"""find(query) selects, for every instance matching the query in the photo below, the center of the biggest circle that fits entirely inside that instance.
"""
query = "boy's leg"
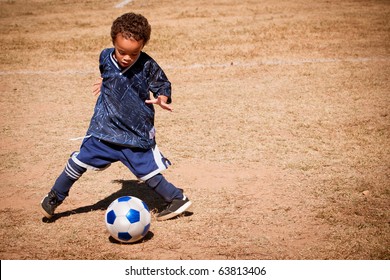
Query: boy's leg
(165, 189)
(62, 185)
(147, 165)
(64, 182)
(178, 202)
(93, 155)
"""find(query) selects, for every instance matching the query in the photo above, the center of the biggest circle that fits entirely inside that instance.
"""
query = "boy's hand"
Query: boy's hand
(96, 86)
(162, 101)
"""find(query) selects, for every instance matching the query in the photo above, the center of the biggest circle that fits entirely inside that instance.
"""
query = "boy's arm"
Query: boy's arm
(159, 85)
(103, 58)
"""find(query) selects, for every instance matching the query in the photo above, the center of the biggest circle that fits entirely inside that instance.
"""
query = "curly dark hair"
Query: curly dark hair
(131, 25)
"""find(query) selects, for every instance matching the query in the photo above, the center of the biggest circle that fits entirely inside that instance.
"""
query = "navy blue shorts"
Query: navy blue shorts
(96, 154)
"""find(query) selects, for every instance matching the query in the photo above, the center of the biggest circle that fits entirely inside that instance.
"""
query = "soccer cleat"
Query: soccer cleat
(49, 204)
(175, 208)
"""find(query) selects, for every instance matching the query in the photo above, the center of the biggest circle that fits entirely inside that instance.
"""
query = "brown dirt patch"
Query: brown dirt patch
(281, 122)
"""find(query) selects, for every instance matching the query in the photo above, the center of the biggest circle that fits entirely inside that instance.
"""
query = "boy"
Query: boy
(122, 126)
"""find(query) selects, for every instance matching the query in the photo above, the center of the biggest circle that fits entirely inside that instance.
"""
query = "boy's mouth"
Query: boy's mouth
(125, 64)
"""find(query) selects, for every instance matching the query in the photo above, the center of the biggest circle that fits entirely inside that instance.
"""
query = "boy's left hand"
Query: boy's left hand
(162, 101)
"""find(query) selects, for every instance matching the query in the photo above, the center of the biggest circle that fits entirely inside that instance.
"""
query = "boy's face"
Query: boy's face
(127, 50)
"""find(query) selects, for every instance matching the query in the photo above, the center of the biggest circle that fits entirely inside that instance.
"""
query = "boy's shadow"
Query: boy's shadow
(129, 188)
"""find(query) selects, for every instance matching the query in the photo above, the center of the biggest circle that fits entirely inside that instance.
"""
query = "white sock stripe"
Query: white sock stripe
(71, 169)
(71, 175)
(71, 172)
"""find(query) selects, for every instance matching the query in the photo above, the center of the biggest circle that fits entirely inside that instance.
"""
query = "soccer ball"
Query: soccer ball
(128, 219)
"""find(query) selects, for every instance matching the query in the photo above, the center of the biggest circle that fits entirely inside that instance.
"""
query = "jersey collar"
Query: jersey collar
(115, 62)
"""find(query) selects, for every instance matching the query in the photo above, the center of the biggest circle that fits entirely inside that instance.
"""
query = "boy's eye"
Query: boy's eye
(131, 55)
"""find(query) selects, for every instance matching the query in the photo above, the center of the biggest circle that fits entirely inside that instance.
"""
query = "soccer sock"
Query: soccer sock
(165, 189)
(64, 182)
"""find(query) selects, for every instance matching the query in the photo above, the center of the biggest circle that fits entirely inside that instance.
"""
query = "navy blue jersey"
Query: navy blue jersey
(121, 115)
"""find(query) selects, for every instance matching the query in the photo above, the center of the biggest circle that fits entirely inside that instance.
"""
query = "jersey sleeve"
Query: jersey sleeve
(103, 59)
(158, 82)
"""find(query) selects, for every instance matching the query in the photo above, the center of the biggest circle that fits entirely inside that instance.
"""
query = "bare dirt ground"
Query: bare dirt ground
(280, 133)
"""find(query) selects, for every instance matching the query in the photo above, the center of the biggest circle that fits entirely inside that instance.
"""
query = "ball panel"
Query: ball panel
(136, 230)
(145, 217)
(146, 230)
(145, 206)
(121, 208)
(124, 198)
(110, 217)
(124, 236)
(121, 224)
(133, 216)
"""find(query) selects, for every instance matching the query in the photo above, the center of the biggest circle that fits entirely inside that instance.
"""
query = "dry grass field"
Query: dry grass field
(280, 131)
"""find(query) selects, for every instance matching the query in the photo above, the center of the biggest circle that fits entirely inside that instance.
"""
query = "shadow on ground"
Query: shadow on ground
(129, 188)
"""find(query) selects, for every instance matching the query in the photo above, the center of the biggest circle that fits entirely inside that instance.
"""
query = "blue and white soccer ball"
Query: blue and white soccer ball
(128, 219)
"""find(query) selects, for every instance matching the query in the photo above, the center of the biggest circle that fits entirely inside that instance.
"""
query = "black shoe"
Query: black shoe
(49, 203)
(175, 208)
